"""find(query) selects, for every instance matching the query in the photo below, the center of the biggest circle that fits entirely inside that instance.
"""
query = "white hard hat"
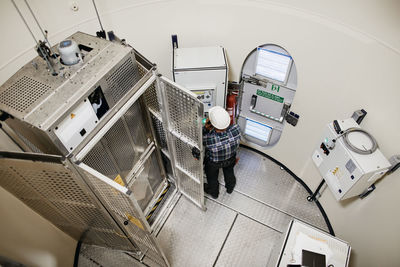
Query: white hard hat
(219, 117)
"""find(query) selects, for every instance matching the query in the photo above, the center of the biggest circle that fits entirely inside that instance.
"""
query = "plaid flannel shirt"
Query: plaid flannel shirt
(221, 146)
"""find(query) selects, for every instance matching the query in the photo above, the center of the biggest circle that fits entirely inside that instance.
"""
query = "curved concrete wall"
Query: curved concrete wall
(347, 55)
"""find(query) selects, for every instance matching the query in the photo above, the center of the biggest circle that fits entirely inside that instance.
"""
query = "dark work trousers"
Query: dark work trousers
(212, 170)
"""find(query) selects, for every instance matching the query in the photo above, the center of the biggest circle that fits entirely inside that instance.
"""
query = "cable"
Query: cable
(37, 22)
(352, 147)
(34, 38)
(26, 24)
(298, 179)
(77, 252)
(98, 17)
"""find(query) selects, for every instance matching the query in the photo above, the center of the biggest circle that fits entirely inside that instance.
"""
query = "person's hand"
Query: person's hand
(196, 153)
(208, 125)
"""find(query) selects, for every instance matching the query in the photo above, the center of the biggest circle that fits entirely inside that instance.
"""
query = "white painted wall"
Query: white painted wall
(347, 55)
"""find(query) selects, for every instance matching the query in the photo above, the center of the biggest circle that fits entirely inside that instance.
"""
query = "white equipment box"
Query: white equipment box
(204, 71)
(301, 237)
(346, 172)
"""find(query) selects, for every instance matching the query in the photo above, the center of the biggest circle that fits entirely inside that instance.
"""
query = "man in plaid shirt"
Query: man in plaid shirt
(221, 141)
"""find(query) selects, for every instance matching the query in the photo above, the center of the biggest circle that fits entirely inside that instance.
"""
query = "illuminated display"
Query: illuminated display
(273, 65)
(257, 130)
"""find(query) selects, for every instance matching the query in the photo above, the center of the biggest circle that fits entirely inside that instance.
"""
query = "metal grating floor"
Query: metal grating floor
(244, 228)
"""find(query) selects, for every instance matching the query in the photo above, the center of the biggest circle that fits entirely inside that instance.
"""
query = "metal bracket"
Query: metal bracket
(292, 118)
(174, 38)
(316, 194)
(367, 191)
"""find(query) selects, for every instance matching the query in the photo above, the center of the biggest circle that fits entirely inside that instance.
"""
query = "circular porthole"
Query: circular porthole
(269, 79)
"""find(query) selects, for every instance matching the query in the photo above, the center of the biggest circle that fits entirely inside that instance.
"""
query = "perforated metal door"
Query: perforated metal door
(182, 114)
(124, 208)
(56, 192)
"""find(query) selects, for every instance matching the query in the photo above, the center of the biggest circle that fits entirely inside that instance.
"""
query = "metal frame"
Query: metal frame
(121, 111)
(98, 186)
(167, 209)
(65, 93)
(84, 169)
(124, 193)
(63, 196)
(173, 135)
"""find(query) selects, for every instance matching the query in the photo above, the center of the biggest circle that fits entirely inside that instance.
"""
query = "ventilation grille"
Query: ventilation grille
(160, 133)
(151, 100)
(28, 143)
(123, 78)
(58, 195)
(23, 93)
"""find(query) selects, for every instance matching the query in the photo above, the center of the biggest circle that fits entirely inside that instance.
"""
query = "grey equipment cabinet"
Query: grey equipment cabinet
(102, 124)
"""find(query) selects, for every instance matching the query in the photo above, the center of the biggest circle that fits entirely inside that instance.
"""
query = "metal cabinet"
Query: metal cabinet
(98, 176)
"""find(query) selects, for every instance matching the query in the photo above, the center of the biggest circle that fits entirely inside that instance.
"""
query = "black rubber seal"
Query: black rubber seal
(77, 252)
(298, 179)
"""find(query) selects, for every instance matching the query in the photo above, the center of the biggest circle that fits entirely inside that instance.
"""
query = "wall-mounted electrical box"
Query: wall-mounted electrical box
(204, 71)
(347, 172)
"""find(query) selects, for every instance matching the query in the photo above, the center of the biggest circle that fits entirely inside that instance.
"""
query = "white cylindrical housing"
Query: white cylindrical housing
(69, 52)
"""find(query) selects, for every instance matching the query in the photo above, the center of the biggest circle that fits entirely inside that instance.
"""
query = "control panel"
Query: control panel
(205, 96)
(78, 123)
(347, 172)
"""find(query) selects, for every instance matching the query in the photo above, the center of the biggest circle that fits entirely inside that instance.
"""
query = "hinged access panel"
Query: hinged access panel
(182, 113)
(54, 190)
(124, 208)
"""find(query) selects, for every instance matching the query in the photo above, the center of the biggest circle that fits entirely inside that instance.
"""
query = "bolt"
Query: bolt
(74, 6)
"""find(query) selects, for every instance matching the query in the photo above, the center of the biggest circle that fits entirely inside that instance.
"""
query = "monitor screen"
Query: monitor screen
(257, 130)
(272, 64)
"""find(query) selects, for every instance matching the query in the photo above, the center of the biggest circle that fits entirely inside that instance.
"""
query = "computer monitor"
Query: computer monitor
(312, 259)
(257, 130)
(273, 65)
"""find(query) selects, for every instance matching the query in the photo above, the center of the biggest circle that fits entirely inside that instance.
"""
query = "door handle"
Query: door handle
(253, 101)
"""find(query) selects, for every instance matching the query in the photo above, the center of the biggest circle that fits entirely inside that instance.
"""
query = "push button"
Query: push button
(83, 132)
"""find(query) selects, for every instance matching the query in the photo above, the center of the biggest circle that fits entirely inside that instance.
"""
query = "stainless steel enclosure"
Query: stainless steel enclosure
(107, 172)
(46, 109)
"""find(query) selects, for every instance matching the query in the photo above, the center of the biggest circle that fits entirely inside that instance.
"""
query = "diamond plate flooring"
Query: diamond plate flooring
(245, 228)
(264, 181)
(249, 243)
(192, 237)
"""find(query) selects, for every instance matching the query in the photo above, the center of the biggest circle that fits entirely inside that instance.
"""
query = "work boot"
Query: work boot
(207, 190)
(230, 190)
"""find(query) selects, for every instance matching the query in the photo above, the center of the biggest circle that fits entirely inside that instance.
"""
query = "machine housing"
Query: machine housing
(97, 129)
(54, 114)
(346, 172)
(204, 71)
